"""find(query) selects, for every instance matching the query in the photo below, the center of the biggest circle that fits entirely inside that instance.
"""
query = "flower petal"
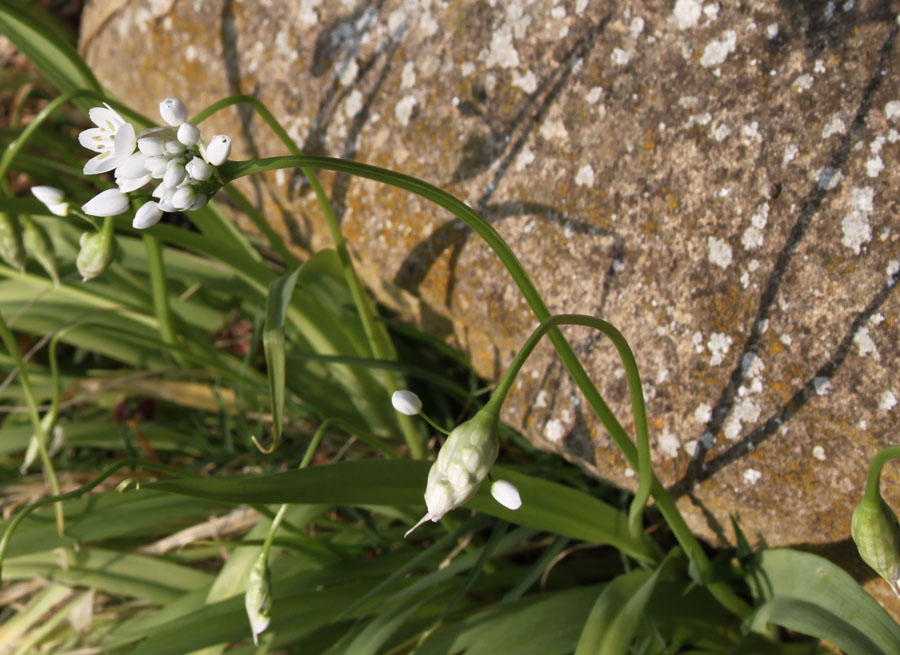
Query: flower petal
(126, 141)
(102, 163)
(94, 139)
(105, 118)
(106, 203)
(128, 184)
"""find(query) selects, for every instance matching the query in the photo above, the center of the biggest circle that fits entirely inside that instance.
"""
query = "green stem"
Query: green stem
(160, 290)
(10, 342)
(873, 481)
(642, 437)
(376, 332)
(75, 493)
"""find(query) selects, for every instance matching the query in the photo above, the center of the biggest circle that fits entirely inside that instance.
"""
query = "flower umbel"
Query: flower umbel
(257, 598)
(875, 530)
(461, 465)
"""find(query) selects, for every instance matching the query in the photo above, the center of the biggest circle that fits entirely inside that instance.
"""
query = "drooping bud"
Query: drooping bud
(174, 174)
(147, 216)
(11, 248)
(39, 245)
(198, 169)
(406, 402)
(106, 203)
(257, 598)
(218, 150)
(173, 111)
(97, 251)
(461, 465)
(875, 530)
(506, 494)
(53, 199)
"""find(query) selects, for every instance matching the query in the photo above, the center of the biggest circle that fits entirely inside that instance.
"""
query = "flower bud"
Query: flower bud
(39, 245)
(257, 597)
(152, 146)
(156, 165)
(200, 201)
(406, 402)
(53, 198)
(506, 494)
(11, 249)
(183, 198)
(174, 174)
(188, 134)
(106, 203)
(462, 463)
(147, 216)
(198, 169)
(173, 111)
(174, 148)
(218, 150)
(875, 530)
(97, 252)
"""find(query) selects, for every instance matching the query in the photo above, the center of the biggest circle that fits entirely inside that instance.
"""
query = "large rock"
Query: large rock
(712, 178)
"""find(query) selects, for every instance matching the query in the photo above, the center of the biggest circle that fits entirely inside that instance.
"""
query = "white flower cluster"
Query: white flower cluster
(175, 155)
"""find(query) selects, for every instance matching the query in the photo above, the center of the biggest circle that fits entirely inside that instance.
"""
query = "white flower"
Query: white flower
(406, 402)
(219, 149)
(183, 198)
(198, 169)
(188, 134)
(132, 173)
(106, 203)
(53, 198)
(506, 494)
(173, 111)
(147, 216)
(174, 173)
(113, 138)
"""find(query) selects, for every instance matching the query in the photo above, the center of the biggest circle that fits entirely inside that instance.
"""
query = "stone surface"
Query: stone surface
(712, 178)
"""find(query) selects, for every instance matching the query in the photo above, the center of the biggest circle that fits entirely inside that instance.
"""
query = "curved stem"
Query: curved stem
(873, 481)
(160, 290)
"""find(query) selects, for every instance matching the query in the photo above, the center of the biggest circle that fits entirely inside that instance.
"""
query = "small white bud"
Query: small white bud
(174, 174)
(53, 198)
(183, 198)
(506, 494)
(174, 148)
(151, 146)
(106, 203)
(200, 201)
(198, 169)
(147, 216)
(157, 166)
(218, 150)
(406, 402)
(188, 134)
(173, 111)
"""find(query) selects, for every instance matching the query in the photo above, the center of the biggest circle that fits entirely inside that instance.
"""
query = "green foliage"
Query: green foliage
(146, 386)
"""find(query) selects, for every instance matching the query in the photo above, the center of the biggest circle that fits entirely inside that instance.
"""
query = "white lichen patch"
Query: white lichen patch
(686, 13)
(719, 252)
(403, 109)
(697, 340)
(669, 443)
(541, 400)
(525, 157)
(752, 476)
(888, 401)
(834, 126)
(621, 57)
(865, 345)
(751, 131)
(503, 52)
(892, 110)
(718, 345)
(636, 26)
(585, 176)
(526, 82)
(555, 430)
(353, 104)
(721, 132)
(703, 413)
(772, 31)
(308, 14)
(802, 83)
(554, 129)
(822, 385)
(593, 96)
(874, 167)
(746, 410)
(790, 152)
(855, 226)
(717, 50)
(408, 75)
(819, 453)
(828, 178)
(753, 235)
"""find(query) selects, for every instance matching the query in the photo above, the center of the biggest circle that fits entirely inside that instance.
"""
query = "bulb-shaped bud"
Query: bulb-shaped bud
(198, 169)
(11, 249)
(506, 494)
(173, 111)
(875, 530)
(41, 248)
(97, 252)
(147, 216)
(462, 463)
(218, 150)
(406, 402)
(188, 134)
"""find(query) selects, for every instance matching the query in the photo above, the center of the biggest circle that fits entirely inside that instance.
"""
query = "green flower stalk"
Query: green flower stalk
(11, 249)
(41, 248)
(874, 525)
(97, 251)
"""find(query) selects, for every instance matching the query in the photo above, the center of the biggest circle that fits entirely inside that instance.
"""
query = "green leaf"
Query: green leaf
(811, 595)
(546, 505)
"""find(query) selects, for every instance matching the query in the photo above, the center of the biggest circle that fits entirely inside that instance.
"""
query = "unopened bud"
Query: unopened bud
(97, 251)
(257, 597)
(11, 248)
(875, 530)
(406, 402)
(173, 111)
(39, 245)
(218, 150)
(506, 494)
(53, 199)
(188, 134)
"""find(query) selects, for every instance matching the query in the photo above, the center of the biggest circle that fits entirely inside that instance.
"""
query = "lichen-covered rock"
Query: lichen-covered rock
(713, 178)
